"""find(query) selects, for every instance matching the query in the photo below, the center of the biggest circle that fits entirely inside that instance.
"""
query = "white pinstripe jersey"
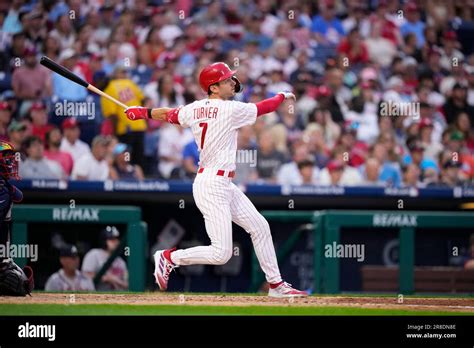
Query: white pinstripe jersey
(214, 124)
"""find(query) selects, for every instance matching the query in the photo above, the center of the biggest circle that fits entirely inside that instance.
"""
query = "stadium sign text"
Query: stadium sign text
(76, 214)
(397, 220)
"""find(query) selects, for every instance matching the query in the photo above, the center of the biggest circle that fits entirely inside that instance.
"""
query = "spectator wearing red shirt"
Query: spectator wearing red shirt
(354, 48)
(39, 119)
(53, 140)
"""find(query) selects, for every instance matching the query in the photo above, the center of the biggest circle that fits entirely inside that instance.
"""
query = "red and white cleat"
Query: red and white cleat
(286, 290)
(163, 268)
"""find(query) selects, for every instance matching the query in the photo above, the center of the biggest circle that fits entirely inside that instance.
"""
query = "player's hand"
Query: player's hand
(288, 95)
(137, 113)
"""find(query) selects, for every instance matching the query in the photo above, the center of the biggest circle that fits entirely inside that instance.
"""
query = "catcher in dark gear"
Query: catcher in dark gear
(13, 280)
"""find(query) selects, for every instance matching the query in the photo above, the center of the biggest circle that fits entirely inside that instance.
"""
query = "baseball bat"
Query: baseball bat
(53, 66)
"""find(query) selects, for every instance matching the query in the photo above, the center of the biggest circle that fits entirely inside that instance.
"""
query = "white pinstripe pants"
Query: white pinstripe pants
(221, 202)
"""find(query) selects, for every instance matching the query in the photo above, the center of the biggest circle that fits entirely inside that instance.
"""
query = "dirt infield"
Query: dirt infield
(412, 304)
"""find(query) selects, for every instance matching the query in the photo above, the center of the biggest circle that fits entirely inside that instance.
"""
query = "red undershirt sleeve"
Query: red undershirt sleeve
(172, 116)
(269, 105)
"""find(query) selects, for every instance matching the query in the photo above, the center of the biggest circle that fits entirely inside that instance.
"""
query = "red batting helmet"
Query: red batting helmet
(215, 73)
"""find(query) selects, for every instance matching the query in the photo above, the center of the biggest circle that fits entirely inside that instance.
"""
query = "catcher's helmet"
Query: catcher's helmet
(8, 163)
(215, 73)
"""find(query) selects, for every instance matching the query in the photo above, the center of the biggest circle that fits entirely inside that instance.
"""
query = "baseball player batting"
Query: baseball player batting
(214, 122)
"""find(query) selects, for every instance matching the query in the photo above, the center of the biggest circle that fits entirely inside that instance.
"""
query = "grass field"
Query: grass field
(44, 304)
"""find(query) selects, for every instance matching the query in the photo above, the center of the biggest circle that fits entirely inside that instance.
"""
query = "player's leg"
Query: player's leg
(212, 196)
(212, 199)
(247, 216)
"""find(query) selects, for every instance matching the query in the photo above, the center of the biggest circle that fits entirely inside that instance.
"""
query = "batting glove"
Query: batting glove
(138, 113)
(288, 95)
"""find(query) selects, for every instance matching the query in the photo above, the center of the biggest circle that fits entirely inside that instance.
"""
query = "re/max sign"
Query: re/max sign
(398, 220)
(76, 214)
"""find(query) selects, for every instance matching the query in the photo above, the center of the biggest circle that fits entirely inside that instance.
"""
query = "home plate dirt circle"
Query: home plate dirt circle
(155, 298)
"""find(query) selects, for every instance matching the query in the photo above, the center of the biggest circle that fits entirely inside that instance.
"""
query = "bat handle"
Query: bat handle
(105, 95)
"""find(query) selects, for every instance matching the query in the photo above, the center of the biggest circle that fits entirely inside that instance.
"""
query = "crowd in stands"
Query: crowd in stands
(384, 88)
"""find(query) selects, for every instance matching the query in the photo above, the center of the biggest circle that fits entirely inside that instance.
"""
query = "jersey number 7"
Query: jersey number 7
(203, 134)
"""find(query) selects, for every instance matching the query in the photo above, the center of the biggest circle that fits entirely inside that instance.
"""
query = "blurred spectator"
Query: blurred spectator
(451, 56)
(277, 80)
(327, 28)
(190, 159)
(53, 142)
(364, 118)
(16, 134)
(350, 176)
(353, 48)
(93, 165)
(52, 47)
(5, 117)
(36, 166)
(129, 132)
(289, 173)
(172, 141)
(153, 46)
(357, 150)
(269, 160)
(411, 175)
(31, 80)
(9, 97)
(292, 122)
(390, 172)
(12, 22)
(35, 27)
(64, 32)
(457, 150)
(211, 17)
(457, 103)
(39, 120)
(163, 93)
(413, 24)
(356, 18)
(307, 171)
(281, 62)
(451, 173)
(71, 143)
(313, 136)
(69, 277)
(371, 173)
(462, 123)
(331, 130)
(253, 35)
(381, 49)
(416, 155)
(121, 168)
(116, 277)
(332, 174)
(335, 99)
(432, 148)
